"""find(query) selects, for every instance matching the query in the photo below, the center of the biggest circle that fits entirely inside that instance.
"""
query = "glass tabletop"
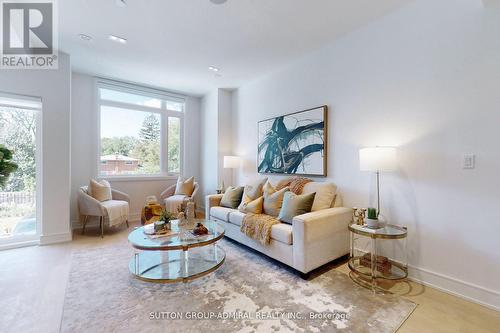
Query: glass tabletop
(384, 231)
(181, 238)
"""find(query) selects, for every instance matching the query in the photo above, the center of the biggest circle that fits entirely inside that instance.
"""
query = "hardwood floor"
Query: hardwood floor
(33, 283)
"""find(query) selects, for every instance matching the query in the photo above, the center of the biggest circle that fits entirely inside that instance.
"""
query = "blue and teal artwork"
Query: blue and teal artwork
(294, 144)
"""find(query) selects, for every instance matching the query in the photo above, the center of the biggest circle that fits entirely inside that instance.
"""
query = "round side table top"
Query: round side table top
(386, 231)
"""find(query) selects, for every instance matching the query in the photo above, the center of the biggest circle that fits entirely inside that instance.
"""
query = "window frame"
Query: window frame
(34, 104)
(164, 114)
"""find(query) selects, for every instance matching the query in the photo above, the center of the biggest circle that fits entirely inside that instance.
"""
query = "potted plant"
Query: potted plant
(372, 218)
(6, 165)
(163, 224)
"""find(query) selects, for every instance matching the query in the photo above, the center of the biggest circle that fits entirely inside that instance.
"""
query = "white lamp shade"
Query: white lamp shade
(378, 159)
(231, 162)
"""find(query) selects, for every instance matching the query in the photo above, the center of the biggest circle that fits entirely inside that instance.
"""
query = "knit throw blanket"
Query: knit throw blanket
(296, 184)
(258, 227)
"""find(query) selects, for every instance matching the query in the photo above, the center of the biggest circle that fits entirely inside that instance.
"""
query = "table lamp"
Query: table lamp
(378, 159)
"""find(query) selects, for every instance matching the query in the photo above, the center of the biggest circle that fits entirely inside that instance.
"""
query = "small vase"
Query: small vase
(372, 223)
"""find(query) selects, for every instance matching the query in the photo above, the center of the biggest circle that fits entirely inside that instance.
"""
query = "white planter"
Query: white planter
(370, 223)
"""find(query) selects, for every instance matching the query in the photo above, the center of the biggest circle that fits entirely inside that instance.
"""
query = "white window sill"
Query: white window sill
(138, 178)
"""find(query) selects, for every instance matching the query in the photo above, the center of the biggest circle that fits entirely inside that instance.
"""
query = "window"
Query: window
(140, 131)
(20, 194)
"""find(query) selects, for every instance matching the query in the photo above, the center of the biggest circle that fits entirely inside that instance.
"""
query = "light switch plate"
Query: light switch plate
(468, 161)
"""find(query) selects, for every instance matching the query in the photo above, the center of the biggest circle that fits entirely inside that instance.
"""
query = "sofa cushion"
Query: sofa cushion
(282, 232)
(273, 199)
(232, 197)
(222, 213)
(325, 194)
(236, 218)
(294, 205)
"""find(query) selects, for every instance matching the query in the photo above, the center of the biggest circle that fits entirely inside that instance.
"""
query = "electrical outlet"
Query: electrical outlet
(468, 161)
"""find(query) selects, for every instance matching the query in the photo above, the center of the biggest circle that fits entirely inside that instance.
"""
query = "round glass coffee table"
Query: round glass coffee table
(180, 257)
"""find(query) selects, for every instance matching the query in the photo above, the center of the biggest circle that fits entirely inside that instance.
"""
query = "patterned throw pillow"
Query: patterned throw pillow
(101, 191)
(296, 184)
(232, 197)
(254, 207)
(252, 192)
(184, 186)
(294, 205)
(273, 199)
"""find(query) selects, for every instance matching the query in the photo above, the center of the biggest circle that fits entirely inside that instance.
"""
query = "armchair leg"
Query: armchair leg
(85, 219)
(101, 224)
(127, 223)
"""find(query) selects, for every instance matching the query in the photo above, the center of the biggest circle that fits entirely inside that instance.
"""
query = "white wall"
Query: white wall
(84, 148)
(425, 79)
(225, 135)
(217, 139)
(53, 87)
(209, 141)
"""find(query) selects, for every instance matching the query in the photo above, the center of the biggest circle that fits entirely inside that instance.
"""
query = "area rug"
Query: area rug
(249, 293)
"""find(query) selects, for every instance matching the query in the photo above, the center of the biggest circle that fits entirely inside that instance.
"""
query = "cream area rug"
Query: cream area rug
(249, 293)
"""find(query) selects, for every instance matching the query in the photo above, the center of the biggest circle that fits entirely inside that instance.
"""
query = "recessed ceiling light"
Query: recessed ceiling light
(218, 2)
(85, 37)
(118, 39)
(213, 69)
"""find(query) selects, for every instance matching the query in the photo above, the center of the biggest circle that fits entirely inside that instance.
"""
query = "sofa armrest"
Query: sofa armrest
(168, 192)
(320, 237)
(211, 200)
(89, 206)
(118, 195)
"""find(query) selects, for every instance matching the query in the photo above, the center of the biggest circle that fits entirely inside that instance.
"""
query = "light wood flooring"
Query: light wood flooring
(33, 283)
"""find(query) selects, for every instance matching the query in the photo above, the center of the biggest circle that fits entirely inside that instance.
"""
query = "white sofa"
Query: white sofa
(312, 240)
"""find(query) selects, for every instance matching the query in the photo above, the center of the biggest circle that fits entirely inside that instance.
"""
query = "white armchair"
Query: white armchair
(171, 200)
(89, 206)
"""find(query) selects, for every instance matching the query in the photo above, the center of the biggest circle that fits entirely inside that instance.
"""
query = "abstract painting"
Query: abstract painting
(294, 144)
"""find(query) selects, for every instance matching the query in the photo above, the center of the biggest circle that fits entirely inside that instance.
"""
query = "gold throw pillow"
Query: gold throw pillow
(184, 186)
(254, 207)
(252, 192)
(273, 200)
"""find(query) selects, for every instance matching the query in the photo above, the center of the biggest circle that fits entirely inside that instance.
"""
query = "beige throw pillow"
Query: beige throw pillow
(251, 192)
(254, 207)
(325, 194)
(273, 199)
(101, 191)
(184, 186)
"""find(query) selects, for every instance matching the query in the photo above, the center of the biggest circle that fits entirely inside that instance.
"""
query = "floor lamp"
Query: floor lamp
(231, 162)
(378, 159)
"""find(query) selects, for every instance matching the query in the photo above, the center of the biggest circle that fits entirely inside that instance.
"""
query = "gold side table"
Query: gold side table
(369, 265)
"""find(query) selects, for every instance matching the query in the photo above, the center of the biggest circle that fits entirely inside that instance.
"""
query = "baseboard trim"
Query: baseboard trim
(456, 287)
(20, 244)
(56, 238)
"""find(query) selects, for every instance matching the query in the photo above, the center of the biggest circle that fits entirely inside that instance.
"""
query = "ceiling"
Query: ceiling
(171, 43)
